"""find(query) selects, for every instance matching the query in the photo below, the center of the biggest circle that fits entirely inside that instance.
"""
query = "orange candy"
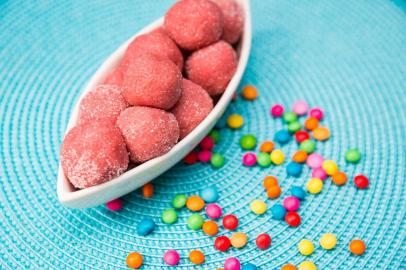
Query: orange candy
(134, 260)
(311, 123)
(321, 133)
(210, 227)
(195, 203)
(273, 192)
(196, 257)
(148, 190)
(249, 92)
(299, 156)
(339, 178)
(270, 181)
(288, 267)
(357, 247)
(267, 147)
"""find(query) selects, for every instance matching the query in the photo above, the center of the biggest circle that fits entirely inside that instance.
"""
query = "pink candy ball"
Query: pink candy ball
(213, 211)
(277, 110)
(233, 19)
(115, 205)
(319, 173)
(207, 143)
(291, 203)
(249, 159)
(314, 160)
(316, 113)
(204, 156)
(232, 264)
(115, 77)
(171, 257)
(300, 107)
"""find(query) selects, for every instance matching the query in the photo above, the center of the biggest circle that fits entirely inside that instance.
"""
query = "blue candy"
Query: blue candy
(298, 192)
(278, 212)
(294, 169)
(282, 136)
(145, 226)
(209, 194)
(249, 266)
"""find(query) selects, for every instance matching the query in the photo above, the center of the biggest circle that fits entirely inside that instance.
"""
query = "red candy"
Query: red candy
(316, 113)
(212, 67)
(263, 241)
(207, 143)
(191, 158)
(301, 136)
(292, 219)
(115, 205)
(222, 243)
(194, 24)
(361, 182)
(230, 222)
(204, 156)
(115, 77)
(233, 19)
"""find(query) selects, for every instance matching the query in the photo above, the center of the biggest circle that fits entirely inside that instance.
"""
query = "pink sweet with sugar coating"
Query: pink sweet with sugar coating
(193, 106)
(152, 81)
(104, 102)
(157, 43)
(148, 132)
(233, 19)
(212, 67)
(194, 24)
(115, 77)
(93, 153)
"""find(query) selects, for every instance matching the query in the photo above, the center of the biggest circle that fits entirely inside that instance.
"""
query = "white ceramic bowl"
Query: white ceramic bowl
(138, 176)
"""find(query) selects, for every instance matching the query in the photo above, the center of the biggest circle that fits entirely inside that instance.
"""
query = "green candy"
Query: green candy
(217, 160)
(179, 201)
(353, 155)
(289, 117)
(264, 160)
(248, 142)
(294, 126)
(308, 146)
(169, 216)
(195, 222)
(215, 135)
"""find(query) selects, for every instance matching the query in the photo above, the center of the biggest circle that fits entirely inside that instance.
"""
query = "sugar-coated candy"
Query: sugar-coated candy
(195, 221)
(264, 160)
(277, 157)
(292, 219)
(145, 226)
(191, 109)
(294, 169)
(321, 133)
(267, 147)
(235, 121)
(230, 222)
(134, 260)
(309, 146)
(179, 201)
(305, 247)
(291, 203)
(191, 158)
(307, 265)
(239, 239)
(195, 203)
(210, 227)
(289, 117)
(353, 155)
(115, 205)
(249, 159)
(314, 185)
(217, 160)
(278, 212)
(301, 136)
(277, 110)
(248, 142)
(148, 190)
(339, 178)
(258, 207)
(196, 257)
(294, 126)
(213, 211)
(215, 135)
(361, 181)
(299, 156)
(169, 216)
(263, 241)
(319, 173)
(212, 67)
(222, 243)
(204, 156)
(316, 113)
(115, 77)
(171, 257)
(92, 153)
(300, 107)
(357, 247)
(248, 92)
(328, 241)
(148, 132)
(330, 167)
(233, 20)
(209, 194)
(194, 24)
(311, 123)
(298, 192)
(288, 267)
(232, 264)
(314, 160)
(249, 266)
(269, 181)
(282, 136)
(273, 192)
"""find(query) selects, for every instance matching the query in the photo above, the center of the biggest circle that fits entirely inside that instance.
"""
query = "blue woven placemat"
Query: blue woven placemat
(349, 57)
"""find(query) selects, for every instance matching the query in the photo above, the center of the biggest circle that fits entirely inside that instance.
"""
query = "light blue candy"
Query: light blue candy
(294, 169)
(209, 194)
(145, 226)
(278, 212)
(282, 136)
(249, 266)
(298, 192)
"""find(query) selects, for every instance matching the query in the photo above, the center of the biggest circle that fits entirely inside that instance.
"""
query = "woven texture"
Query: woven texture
(348, 58)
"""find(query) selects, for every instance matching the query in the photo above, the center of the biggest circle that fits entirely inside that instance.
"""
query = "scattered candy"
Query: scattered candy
(196, 257)
(273, 192)
(314, 160)
(289, 117)
(311, 123)
(277, 110)
(169, 216)
(195, 222)
(282, 136)
(191, 158)
(361, 181)
(179, 201)
(314, 186)
(249, 159)
(278, 212)
(353, 156)
(222, 243)
(249, 92)
(235, 121)
(277, 157)
(321, 133)
(319, 173)
(258, 207)
(269, 181)
(115, 205)
(194, 203)
(293, 127)
(307, 265)
(298, 192)
(232, 264)
(294, 169)
(328, 241)
(308, 146)
(204, 156)
(267, 147)
(301, 136)
(215, 135)
(230, 222)
(300, 156)
(248, 142)
(357, 247)
(264, 160)
(316, 113)
(239, 240)
(300, 107)
(134, 260)
(263, 241)
(291, 203)
(145, 226)
(330, 167)
(210, 227)
(217, 160)
(292, 219)
(207, 143)
(171, 257)
(213, 211)
(305, 247)
(148, 190)
(339, 178)
(288, 267)
(209, 194)
(249, 266)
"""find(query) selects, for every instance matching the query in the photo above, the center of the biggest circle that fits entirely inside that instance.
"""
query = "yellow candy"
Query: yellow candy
(305, 247)
(277, 157)
(258, 207)
(330, 167)
(307, 265)
(239, 240)
(314, 186)
(235, 121)
(328, 241)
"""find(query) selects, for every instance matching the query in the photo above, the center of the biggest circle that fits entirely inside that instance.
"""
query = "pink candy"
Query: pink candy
(233, 19)
(249, 159)
(232, 264)
(171, 257)
(115, 205)
(291, 203)
(319, 173)
(213, 211)
(316, 113)
(314, 161)
(277, 110)
(204, 156)
(207, 143)
(300, 107)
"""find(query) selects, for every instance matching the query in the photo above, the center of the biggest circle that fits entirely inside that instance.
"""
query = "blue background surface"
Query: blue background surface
(348, 57)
